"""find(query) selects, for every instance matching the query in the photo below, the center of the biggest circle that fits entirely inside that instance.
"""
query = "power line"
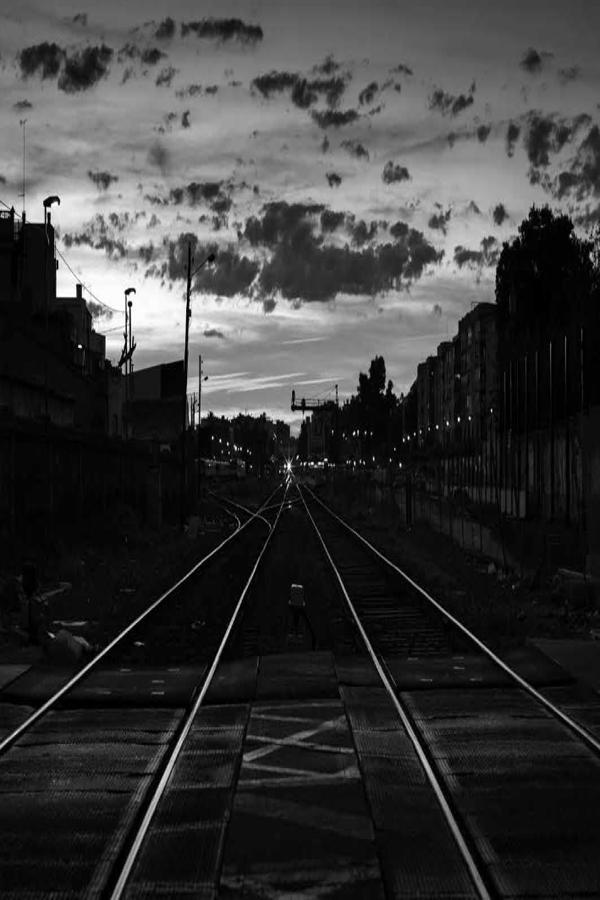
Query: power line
(75, 276)
(84, 286)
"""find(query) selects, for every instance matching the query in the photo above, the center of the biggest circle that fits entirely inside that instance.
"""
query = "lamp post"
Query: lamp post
(201, 378)
(127, 351)
(188, 314)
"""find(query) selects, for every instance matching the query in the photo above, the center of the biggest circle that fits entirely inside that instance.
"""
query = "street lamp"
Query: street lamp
(47, 206)
(128, 349)
(188, 314)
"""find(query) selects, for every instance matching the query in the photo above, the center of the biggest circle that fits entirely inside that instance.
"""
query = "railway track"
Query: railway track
(82, 776)
(516, 777)
(181, 761)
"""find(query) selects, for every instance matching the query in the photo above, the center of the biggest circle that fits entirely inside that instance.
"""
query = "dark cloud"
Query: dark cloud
(363, 233)
(486, 256)
(185, 119)
(483, 132)
(569, 74)
(356, 149)
(331, 220)
(197, 192)
(302, 268)
(279, 220)
(581, 181)
(2, 179)
(85, 69)
(151, 55)
(332, 118)
(402, 69)
(274, 82)
(99, 234)
(231, 274)
(147, 252)
(211, 89)
(269, 305)
(304, 92)
(325, 144)
(22, 105)
(399, 230)
(451, 104)
(224, 30)
(159, 156)
(368, 94)
(102, 180)
(327, 67)
(190, 91)
(45, 58)
(333, 179)
(499, 214)
(80, 19)
(512, 133)
(439, 221)
(213, 333)
(393, 172)
(331, 88)
(437, 310)
(533, 61)
(473, 208)
(165, 30)
(165, 76)
(548, 134)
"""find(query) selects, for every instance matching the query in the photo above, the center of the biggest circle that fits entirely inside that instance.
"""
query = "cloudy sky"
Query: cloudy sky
(356, 167)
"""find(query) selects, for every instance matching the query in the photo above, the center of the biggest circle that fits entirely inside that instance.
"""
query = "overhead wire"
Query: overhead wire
(75, 276)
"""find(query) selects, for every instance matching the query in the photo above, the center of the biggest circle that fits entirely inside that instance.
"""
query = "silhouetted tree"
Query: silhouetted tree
(544, 277)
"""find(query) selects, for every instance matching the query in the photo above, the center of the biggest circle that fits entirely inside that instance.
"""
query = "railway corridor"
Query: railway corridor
(380, 754)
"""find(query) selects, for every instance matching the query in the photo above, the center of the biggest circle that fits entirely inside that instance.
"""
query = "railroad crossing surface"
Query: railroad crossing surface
(295, 781)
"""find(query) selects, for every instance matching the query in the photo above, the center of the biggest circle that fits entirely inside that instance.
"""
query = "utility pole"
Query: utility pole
(128, 349)
(188, 314)
(201, 378)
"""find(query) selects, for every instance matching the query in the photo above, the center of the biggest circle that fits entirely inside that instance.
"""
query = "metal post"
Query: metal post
(125, 423)
(185, 372)
(567, 433)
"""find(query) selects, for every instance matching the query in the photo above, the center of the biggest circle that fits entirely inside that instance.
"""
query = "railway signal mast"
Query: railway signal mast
(323, 428)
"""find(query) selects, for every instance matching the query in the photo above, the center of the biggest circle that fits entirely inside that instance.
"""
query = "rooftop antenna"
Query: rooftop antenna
(22, 123)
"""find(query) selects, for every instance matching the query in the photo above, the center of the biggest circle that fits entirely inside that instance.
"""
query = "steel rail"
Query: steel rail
(418, 744)
(129, 863)
(589, 739)
(9, 740)
(223, 500)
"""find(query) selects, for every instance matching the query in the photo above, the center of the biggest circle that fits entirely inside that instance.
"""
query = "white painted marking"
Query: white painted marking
(124, 670)
(288, 742)
(269, 718)
(173, 670)
(158, 681)
(157, 693)
(298, 736)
